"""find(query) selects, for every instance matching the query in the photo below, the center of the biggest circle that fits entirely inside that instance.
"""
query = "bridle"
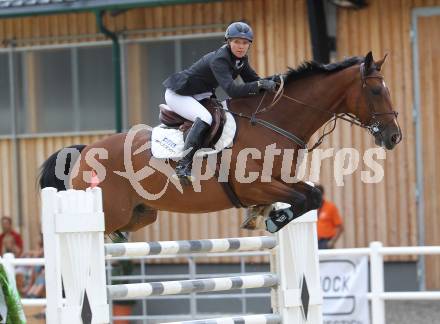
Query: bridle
(375, 126)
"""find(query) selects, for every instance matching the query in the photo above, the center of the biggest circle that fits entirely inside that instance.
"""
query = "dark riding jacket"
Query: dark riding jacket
(218, 68)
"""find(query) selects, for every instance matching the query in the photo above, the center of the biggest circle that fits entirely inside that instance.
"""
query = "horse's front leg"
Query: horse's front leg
(262, 195)
(313, 194)
(281, 216)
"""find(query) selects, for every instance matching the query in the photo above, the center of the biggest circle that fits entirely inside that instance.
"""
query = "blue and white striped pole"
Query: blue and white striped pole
(191, 246)
(138, 290)
(249, 319)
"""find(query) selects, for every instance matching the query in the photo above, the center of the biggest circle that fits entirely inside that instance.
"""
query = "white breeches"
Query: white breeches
(188, 107)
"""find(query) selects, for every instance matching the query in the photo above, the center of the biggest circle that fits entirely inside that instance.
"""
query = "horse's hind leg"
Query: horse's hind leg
(142, 216)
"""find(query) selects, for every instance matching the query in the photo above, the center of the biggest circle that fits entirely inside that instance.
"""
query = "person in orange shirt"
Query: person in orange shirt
(330, 226)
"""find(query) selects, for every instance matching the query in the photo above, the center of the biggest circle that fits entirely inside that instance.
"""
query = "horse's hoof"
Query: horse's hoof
(249, 223)
(255, 216)
(118, 237)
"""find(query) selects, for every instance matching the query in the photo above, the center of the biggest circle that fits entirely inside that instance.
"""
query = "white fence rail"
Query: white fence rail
(378, 296)
(375, 252)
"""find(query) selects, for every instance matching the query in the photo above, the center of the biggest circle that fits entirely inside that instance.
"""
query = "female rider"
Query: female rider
(219, 68)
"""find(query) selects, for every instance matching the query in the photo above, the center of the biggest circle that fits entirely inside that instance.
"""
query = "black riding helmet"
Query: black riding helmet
(239, 30)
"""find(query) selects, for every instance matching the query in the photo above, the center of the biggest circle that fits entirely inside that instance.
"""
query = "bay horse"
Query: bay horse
(312, 95)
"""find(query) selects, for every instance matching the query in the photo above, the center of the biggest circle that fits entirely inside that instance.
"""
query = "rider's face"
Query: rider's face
(239, 46)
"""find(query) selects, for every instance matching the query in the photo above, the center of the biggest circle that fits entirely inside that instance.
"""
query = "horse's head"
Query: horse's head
(369, 100)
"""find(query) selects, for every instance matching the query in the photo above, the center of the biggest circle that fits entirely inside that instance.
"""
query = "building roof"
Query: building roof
(17, 8)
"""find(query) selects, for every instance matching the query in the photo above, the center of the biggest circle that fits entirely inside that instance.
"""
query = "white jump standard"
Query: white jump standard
(73, 229)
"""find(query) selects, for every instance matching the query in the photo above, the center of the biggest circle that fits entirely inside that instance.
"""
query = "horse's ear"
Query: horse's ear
(380, 62)
(369, 62)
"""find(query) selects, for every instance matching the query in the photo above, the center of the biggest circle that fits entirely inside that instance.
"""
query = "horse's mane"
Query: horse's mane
(310, 68)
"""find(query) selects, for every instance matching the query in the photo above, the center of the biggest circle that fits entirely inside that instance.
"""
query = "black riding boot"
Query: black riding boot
(194, 141)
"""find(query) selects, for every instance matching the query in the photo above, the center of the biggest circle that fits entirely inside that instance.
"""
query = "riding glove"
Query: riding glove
(266, 84)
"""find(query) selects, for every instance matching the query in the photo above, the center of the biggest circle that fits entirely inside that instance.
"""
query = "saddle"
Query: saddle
(215, 108)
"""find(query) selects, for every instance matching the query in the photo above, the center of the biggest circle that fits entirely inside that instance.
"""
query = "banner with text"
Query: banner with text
(344, 282)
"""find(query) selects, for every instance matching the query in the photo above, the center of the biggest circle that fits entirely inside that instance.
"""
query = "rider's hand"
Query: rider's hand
(266, 84)
(276, 78)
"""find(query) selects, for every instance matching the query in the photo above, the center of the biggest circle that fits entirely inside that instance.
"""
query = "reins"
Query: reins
(374, 127)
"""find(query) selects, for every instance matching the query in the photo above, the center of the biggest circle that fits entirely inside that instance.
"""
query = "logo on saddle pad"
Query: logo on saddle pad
(168, 142)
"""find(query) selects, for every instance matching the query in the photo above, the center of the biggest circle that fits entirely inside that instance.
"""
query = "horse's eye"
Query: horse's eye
(376, 90)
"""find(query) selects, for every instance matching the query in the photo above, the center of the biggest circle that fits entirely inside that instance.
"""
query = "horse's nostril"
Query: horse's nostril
(395, 138)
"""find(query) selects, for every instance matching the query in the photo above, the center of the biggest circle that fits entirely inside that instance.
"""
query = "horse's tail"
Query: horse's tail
(47, 176)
